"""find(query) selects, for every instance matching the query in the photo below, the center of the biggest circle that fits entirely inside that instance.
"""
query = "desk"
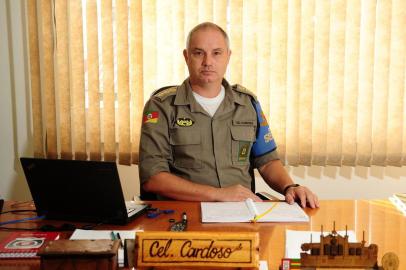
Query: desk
(382, 223)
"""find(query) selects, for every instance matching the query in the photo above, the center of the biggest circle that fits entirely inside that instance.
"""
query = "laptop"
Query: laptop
(77, 190)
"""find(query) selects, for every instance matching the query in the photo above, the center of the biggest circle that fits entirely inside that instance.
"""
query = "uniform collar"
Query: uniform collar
(184, 95)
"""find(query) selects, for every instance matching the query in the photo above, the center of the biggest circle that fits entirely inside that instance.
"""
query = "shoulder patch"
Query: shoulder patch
(242, 89)
(165, 92)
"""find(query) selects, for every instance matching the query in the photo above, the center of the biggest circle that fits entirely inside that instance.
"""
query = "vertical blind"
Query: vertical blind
(330, 75)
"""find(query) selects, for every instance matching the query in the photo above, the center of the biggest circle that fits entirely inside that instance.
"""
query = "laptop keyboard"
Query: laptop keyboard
(133, 208)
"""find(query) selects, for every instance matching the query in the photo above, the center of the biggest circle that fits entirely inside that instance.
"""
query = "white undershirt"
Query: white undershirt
(210, 105)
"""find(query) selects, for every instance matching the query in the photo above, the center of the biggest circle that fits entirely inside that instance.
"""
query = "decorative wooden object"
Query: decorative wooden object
(335, 251)
(195, 250)
(79, 254)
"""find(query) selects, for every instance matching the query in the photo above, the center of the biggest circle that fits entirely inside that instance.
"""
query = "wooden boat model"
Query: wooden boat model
(335, 251)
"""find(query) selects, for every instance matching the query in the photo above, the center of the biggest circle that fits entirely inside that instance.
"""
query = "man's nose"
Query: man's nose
(207, 60)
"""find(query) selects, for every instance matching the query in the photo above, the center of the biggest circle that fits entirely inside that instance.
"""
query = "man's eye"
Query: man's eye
(198, 53)
(217, 53)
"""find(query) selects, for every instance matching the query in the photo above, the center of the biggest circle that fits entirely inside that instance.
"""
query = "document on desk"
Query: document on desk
(248, 211)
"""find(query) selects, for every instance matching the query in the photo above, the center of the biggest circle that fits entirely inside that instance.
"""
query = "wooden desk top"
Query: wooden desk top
(382, 223)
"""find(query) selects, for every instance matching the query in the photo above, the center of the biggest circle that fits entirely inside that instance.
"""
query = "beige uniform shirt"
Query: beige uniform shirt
(180, 137)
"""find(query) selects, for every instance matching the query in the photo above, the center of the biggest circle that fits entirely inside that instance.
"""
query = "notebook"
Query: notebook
(77, 190)
(248, 211)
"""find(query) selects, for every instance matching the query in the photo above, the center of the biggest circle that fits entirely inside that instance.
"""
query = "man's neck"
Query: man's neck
(208, 90)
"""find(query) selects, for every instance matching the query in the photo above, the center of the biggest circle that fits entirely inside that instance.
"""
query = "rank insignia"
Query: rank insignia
(243, 151)
(150, 117)
(184, 122)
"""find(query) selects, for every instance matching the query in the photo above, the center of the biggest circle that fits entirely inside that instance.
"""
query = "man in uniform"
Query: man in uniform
(200, 141)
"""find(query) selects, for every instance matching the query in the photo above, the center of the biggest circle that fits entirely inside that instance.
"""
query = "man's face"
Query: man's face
(207, 56)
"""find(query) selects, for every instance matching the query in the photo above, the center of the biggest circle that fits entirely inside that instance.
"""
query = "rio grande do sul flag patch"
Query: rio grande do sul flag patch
(150, 117)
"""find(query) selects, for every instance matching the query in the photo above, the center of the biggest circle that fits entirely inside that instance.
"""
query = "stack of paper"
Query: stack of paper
(95, 235)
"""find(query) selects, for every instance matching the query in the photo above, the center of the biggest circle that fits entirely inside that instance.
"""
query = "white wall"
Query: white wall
(15, 133)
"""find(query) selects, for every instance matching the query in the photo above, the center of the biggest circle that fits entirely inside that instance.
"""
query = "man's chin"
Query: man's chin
(208, 80)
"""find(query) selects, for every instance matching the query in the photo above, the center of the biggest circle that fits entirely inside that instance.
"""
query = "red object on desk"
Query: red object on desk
(24, 244)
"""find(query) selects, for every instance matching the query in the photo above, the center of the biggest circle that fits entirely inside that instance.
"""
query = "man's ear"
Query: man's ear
(229, 55)
(185, 55)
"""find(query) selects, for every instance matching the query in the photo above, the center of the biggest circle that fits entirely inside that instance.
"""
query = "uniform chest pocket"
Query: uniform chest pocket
(241, 143)
(186, 147)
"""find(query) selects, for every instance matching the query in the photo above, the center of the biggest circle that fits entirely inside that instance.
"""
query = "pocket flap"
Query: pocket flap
(243, 133)
(184, 136)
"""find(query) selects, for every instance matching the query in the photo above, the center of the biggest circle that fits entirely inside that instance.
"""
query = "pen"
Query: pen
(121, 241)
(113, 236)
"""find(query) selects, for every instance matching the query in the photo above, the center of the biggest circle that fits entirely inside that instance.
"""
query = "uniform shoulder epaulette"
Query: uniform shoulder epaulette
(242, 89)
(164, 92)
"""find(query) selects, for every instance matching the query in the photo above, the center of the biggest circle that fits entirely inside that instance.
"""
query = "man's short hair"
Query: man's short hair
(207, 25)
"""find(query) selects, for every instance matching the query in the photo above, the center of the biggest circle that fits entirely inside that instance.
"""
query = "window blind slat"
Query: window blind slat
(124, 146)
(306, 82)
(136, 76)
(351, 69)
(205, 10)
(235, 35)
(165, 54)
(220, 13)
(365, 87)
(249, 44)
(380, 82)
(108, 81)
(320, 86)
(277, 93)
(93, 122)
(192, 16)
(47, 76)
(35, 79)
(336, 82)
(149, 44)
(396, 113)
(178, 39)
(292, 84)
(62, 78)
(77, 81)
(263, 54)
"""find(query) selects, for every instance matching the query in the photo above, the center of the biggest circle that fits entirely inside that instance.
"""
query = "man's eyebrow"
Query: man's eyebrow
(200, 49)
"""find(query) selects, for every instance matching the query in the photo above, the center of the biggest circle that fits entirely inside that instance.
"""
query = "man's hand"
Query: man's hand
(302, 195)
(235, 193)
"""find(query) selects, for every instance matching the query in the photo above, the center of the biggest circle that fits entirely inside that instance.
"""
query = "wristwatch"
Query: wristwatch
(288, 187)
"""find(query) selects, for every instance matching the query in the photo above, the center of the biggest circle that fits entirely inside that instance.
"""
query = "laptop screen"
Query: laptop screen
(76, 190)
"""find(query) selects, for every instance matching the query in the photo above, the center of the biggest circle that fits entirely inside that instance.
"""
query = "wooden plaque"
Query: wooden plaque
(197, 249)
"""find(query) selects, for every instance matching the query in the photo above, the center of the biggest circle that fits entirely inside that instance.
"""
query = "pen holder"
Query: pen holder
(79, 254)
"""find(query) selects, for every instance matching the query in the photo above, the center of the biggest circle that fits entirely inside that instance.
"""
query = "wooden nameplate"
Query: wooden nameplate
(197, 250)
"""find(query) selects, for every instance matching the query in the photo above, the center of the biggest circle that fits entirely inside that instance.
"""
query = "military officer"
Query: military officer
(201, 141)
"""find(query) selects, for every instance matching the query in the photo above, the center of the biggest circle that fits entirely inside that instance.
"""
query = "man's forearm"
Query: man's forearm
(172, 186)
(275, 175)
